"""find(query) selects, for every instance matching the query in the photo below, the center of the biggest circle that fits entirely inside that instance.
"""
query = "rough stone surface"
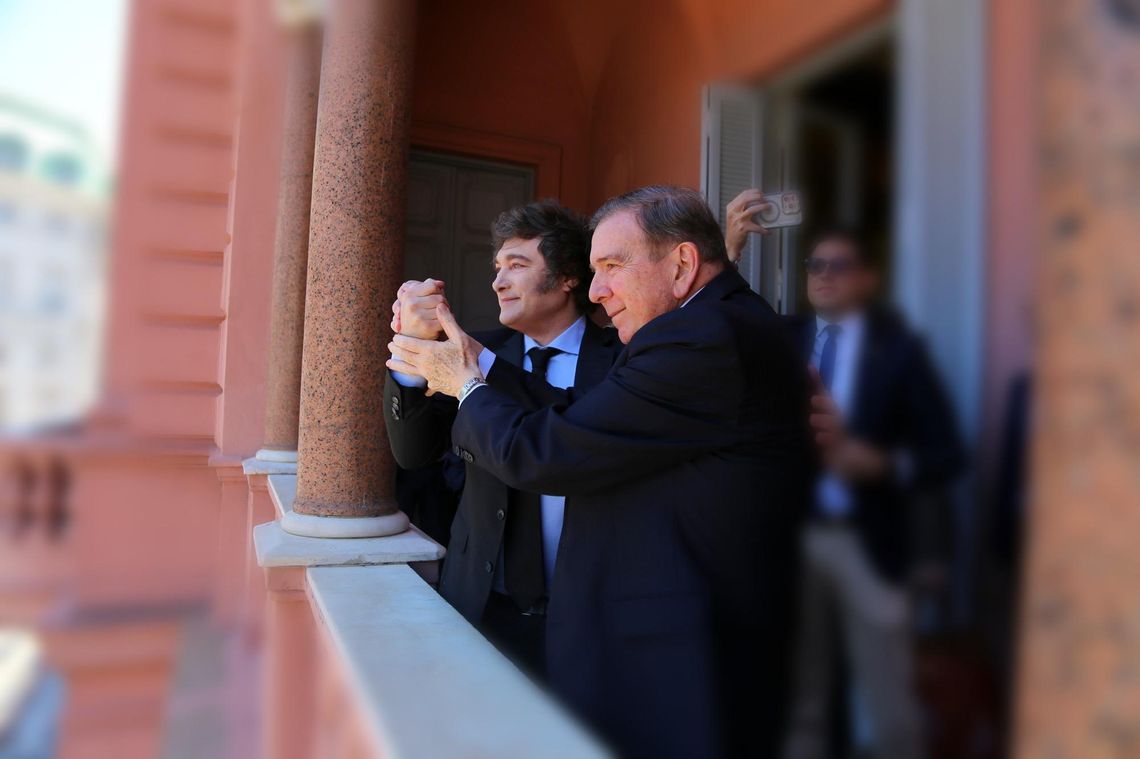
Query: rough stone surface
(283, 389)
(356, 245)
(1079, 681)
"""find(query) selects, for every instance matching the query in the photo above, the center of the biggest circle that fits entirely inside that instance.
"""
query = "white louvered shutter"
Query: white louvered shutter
(731, 158)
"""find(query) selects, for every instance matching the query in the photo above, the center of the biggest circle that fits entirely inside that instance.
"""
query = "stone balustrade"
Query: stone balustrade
(35, 485)
(364, 658)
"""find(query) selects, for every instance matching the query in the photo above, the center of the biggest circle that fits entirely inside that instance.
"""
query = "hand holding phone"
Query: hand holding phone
(782, 210)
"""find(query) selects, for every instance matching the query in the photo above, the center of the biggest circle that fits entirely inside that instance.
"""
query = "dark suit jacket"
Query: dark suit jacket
(900, 406)
(419, 429)
(685, 472)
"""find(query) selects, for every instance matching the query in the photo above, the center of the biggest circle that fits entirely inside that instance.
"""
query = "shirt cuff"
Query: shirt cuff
(486, 361)
(408, 380)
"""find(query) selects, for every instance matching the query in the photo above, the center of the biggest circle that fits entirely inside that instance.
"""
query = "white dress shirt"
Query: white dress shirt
(833, 497)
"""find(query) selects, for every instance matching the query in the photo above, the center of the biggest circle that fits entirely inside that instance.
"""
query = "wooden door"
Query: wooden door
(451, 204)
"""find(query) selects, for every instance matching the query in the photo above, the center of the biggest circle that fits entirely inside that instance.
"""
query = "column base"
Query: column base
(310, 526)
(272, 454)
(270, 461)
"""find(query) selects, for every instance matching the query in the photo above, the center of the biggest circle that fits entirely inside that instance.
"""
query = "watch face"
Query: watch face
(470, 385)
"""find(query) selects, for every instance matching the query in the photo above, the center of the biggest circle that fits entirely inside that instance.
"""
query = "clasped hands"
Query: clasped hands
(421, 316)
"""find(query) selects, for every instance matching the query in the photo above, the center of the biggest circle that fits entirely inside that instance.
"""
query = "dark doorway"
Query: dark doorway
(831, 131)
(451, 204)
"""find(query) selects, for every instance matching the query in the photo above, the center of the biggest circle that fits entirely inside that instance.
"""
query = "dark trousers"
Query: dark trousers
(520, 637)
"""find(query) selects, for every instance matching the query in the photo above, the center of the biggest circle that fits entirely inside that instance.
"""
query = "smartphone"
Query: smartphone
(783, 210)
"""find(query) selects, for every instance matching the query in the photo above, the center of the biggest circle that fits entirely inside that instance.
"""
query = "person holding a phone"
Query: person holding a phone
(889, 439)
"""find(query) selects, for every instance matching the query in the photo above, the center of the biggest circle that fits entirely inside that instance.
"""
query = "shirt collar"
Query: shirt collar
(570, 341)
(698, 292)
(849, 325)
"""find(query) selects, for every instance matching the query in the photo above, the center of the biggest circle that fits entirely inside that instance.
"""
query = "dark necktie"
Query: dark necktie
(522, 549)
(827, 355)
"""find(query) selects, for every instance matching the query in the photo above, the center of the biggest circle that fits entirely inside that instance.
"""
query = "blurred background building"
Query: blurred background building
(54, 205)
(252, 158)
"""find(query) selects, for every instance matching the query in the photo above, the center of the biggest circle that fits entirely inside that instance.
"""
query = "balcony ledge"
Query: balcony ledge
(428, 683)
(261, 466)
(277, 548)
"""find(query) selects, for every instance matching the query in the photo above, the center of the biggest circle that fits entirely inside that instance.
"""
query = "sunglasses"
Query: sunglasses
(819, 266)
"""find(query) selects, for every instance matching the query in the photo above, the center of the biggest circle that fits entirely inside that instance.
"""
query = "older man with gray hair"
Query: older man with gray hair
(688, 466)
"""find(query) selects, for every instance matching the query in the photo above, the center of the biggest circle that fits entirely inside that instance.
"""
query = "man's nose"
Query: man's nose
(499, 282)
(599, 290)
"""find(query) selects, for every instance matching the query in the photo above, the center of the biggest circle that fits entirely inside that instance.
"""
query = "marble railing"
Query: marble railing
(364, 658)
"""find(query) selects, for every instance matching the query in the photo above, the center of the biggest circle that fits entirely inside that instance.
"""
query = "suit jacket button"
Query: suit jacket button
(489, 567)
(500, 515)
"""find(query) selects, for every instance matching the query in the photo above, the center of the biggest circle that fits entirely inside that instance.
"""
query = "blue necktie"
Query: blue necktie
(827, 355)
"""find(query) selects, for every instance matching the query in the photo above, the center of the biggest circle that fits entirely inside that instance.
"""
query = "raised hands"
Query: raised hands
(739, 222)
(445, 365)
(414, 310)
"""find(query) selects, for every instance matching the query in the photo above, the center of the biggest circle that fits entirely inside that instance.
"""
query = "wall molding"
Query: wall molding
(544, 157)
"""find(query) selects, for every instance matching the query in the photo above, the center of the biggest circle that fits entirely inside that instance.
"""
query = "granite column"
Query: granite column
(346, 474)
(291, 255)
(1079, 668)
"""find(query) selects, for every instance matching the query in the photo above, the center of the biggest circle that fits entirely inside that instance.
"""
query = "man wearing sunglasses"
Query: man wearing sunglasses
(889, 438)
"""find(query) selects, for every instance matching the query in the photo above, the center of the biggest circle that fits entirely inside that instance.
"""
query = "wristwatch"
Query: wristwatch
(468, 386)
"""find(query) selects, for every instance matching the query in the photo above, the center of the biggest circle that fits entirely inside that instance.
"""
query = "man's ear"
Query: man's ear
(687, 262)
(569, 283)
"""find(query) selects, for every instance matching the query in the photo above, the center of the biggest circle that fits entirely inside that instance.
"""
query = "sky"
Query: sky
(67, 56)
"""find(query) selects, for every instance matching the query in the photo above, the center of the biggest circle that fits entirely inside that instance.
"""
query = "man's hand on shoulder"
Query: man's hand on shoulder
(446, 365)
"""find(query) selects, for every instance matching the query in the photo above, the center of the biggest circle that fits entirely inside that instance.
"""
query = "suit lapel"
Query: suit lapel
(807, 339)
(511, 349)
(870, 368)
(596, 355)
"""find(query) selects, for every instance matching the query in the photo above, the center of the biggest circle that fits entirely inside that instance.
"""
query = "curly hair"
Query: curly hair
(564, 241)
